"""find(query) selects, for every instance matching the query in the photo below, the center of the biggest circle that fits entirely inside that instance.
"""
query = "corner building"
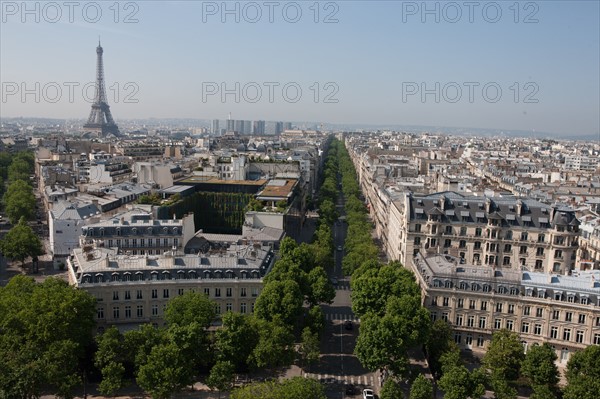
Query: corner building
(498, 232)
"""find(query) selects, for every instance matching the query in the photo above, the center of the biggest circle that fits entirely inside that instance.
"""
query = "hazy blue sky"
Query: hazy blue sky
(544, 56)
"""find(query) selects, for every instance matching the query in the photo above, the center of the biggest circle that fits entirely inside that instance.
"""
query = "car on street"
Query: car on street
(368, 394)
(348, 325)
(334, 280)
(339, 248)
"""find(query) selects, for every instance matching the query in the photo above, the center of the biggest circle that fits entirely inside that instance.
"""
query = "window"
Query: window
(445, 316)
(499, 307)
(139, 294)
(243, 308)
(539, 251)
(180, 291)
(581, 318)
(537, 329)
(524, 236)
(228, 292)
(555, 314)
(127, 295)
(511, 309)
(434, 301)
(154, 293)
(596, 339)
(154, 310)
(497, 324)
(254, 292)
(478, 232)
(509, 325)
(554, 332)
(100, 313)
(447, 243)
(128, 312)
(471, 321)
(457, 337)
(459, 320)
(526, 310)
(462, 244)
(541, 238)
(480, 341)
(477, 245)
(469, 340)
(539, 264)
(471, 304)
(539, 312)
(115, 295)
(116, 312)
(207, 291)
(579, 337)
(463, 231)
(558, 254)
(568, 316)
(217, 292)
(567, 334)
(484, 305)
(417, 241)
(506, 260)
(165, 293)
(140, 311)
(507, 247)
(446, 301)
(433, 316)
(525, 328)
(418, 228)
(584, 300)
(523, 249)
(482, 321)
(460, 303)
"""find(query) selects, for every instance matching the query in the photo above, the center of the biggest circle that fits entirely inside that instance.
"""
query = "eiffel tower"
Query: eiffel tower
(100, 121)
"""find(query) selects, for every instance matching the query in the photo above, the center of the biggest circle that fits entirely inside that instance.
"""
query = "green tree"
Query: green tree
(236, 340)
(315, 319)
(504, 355)
(309, 347)
(279, 298)
(19, 170)
(189, 308)
(458, 383)
(19, 201)
(275, 344)
(543, 392)
(421, 388)
(221, 376)
(149, 199)
(109, 360)
(391, 390)
(439, 342)
(321, 290)
(44, 331)
(540, 367)
(583, 374)
(165, 372)
(139, 343)
(294, 388)
(21, 242)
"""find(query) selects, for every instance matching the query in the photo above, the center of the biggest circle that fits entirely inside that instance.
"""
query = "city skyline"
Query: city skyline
(546, 71)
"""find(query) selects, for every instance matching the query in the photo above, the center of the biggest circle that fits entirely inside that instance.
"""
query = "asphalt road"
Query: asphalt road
(338, 366)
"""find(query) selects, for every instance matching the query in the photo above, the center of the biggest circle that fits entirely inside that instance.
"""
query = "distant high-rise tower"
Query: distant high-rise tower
(100, 120)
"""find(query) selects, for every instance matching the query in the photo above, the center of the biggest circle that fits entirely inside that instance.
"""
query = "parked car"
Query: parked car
(340, 248)
(334, 280)
(348, 325)
(368, 394)
(350, 389)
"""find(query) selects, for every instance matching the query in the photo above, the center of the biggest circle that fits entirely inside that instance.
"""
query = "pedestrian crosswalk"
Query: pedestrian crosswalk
(366, 380)
(341, 316)
(342, 286)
